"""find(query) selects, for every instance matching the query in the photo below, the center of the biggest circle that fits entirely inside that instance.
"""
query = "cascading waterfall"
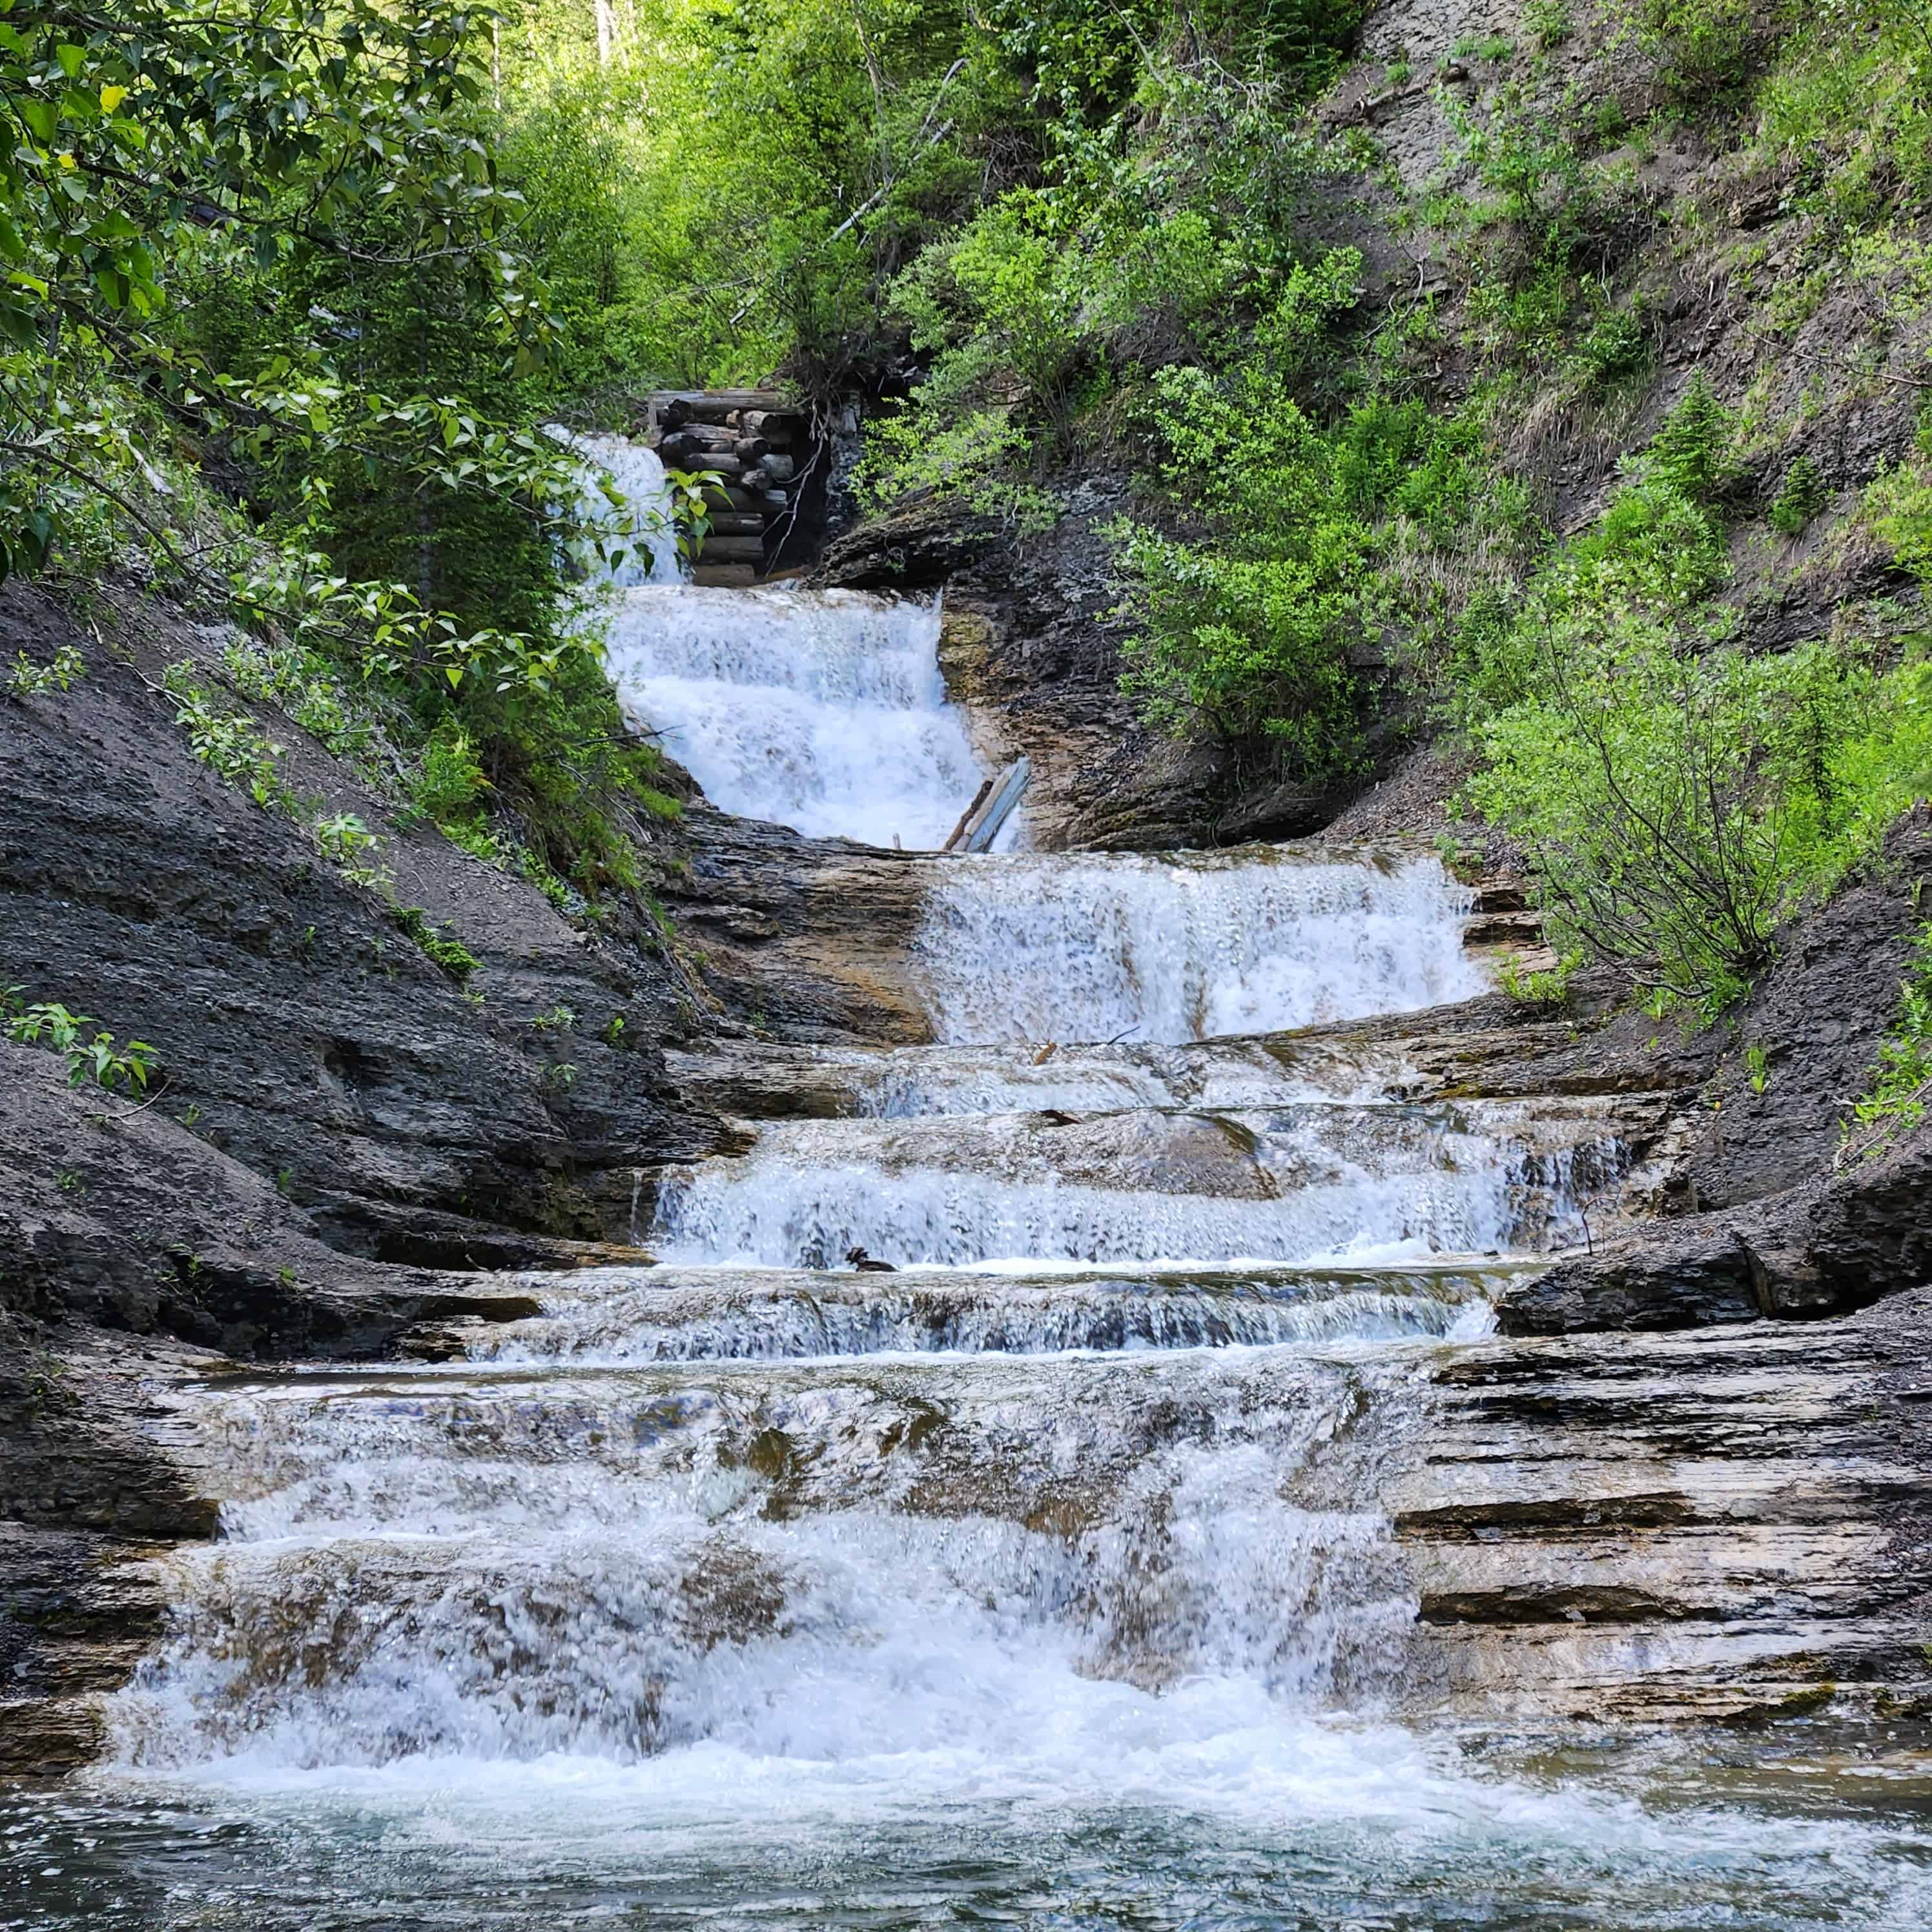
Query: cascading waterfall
(1044, 1581)
(1298, 1185)
(639, 525)
(823, 710)
(1189, 945)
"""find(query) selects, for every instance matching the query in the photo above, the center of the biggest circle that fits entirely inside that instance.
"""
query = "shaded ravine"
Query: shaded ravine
(1080, 1567)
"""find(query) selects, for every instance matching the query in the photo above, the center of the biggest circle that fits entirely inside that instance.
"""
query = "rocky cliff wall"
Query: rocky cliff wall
(300, 1029)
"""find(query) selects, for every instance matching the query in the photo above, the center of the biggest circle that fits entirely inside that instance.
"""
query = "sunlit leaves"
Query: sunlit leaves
(136, 133)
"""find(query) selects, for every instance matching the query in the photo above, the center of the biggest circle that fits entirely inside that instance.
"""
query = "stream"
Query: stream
(1043, 1581)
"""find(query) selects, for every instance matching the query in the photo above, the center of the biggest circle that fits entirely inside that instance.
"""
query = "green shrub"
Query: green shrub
(451, 955)
(96, 1060)
(29, 679)
(344, 838)
(1850, 102)
(1548, 21)
(1703, 46)
(1245, 632)
(1693, 452)
(1678, 805)
(1652, 557)
(1619, 345)
(1680, 800)
(307, 688)
(1902, 1081)
(229, 740)
(1549, 987)
(1898, 505)
(999, 304)
(449, 779)
(1800, 497)
(1246, 650)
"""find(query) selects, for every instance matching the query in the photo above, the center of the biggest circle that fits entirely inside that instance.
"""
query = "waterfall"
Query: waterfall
(823, 710)
(1188, 946)
(1048, 1578)
(1304, 1185)
(641, 523)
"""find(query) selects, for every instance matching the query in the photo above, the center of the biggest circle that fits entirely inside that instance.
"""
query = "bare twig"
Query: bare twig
(1837, 362)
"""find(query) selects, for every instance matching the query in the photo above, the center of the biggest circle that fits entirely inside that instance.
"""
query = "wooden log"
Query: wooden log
(707, 436)
(750, 448)
(733, 549)
(779, 467)
(776, 424)
(737, 523)
(981, 825)
(713, 406)
(959, 831)
(729, 496)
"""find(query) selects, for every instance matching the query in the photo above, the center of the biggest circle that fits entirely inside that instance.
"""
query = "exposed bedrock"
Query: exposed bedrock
(299, 1030)
(1733, 1523)
(1783, 1213)
(798, 938)
(1833, 1244)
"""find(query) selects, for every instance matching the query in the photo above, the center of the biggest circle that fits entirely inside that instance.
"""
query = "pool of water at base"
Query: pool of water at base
(1208, 1810)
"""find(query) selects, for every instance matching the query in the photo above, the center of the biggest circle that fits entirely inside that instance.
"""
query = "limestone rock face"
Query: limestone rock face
(1682, 1278)
(299, 1030)
(803, 939)
(1827, 1247)
(1817, 1020)
(1718, 1523)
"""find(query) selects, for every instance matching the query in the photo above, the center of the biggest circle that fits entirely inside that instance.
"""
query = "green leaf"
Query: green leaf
(17, 324)
(42, 118)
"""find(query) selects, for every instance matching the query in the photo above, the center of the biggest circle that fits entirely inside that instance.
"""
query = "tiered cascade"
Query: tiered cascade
(1047, 1572)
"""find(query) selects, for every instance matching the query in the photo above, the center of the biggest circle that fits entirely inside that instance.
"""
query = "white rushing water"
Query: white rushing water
(1092, 947)
(1044, 1581)
(1300, 1185)
(823, 710)
(640, 524)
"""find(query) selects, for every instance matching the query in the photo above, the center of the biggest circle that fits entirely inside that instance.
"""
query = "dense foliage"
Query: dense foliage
(291, 291)
(275, 248)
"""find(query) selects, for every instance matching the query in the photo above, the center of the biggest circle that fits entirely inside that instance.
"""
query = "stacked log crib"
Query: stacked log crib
(768, 459)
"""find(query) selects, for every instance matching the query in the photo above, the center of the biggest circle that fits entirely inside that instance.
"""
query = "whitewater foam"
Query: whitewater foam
(1093, 947)
(822, 710)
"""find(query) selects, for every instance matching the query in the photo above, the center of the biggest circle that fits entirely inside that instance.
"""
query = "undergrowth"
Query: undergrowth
(1902, 1081)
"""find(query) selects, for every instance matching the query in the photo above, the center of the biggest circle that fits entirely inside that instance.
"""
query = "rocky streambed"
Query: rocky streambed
(1327, 1442)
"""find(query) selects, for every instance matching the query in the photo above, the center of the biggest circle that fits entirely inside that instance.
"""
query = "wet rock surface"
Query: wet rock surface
(801, 939)
(1731, 1522)
(95, 1472)
(1831, 1245)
